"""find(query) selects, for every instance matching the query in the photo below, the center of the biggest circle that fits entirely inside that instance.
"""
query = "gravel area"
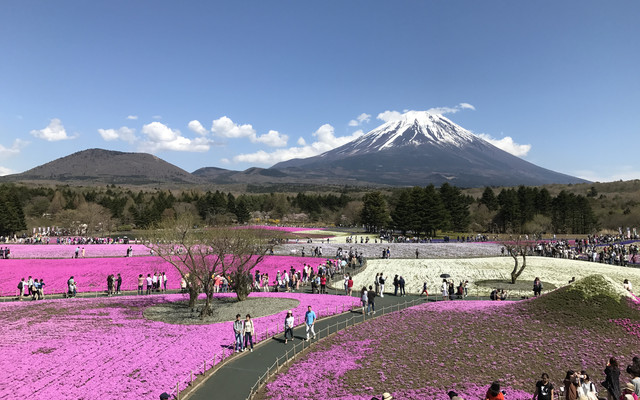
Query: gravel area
(397, 250)
(224, 309)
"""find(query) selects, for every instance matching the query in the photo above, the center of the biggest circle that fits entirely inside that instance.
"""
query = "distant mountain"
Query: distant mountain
(106, 166)
(418, 149)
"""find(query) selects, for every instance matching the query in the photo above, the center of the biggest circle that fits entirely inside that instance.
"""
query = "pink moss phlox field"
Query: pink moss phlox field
(290, 229)
(68, 250)
(105, 348)
(424, 351)
(91, 273)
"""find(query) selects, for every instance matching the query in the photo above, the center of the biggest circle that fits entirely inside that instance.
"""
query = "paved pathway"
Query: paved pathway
(233, 381)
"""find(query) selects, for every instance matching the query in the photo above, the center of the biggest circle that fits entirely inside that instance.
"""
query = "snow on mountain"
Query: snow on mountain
(414, 128)
(418, 148)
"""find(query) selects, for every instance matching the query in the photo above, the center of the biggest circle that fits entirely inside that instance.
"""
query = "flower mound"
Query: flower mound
(427, 350)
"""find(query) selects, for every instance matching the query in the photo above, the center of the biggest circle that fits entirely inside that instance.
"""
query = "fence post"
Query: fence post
(204, 368)
(178, 390)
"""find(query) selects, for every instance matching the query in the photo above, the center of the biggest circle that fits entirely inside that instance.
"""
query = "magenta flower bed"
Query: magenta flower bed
(290, 229)
(425, 351)
(91, 273)
(68, 251)
(105, 348)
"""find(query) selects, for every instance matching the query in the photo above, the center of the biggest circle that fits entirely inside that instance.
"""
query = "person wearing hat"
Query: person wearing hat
(494, 392)
(288, 326)
(453, 395)
(628, 392)
(164, 396)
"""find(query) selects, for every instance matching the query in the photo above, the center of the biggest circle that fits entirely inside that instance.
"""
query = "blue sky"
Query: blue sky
(239, 84)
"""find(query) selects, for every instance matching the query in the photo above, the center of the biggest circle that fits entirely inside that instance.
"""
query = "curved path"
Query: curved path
(234, 379)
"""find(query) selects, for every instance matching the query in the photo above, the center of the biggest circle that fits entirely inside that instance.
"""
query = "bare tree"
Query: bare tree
(199, 255)
(518, 248)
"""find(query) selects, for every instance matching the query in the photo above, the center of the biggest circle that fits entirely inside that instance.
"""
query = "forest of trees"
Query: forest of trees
(418, 211)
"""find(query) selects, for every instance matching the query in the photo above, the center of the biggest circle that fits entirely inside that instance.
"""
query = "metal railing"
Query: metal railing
(286, 359)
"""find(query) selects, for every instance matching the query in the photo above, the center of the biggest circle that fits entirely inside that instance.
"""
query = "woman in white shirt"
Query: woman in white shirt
(288, 326)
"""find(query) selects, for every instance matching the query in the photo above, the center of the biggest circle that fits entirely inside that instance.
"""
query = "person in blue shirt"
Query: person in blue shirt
(309, 321)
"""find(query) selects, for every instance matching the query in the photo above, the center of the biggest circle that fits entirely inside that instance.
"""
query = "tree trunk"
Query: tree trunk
(207, 310)
(193, 297)
(516, 272)
(243, 286)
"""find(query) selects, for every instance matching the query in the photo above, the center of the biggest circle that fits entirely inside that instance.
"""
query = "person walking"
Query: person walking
(21, 286)
(612, 379)
(381, 279)
(310, 321)
(396, 285)
(288, 326)
(376, 283)
(237, 331)
(149, 283)
(401, 284)
(140, 283)
(371, 306)
(248, 330)
(364, 299)
(118, 284)
(424, 289)
(350, 286)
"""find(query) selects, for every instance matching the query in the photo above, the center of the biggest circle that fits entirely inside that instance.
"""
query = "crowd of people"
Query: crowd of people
(31, 287)
(52, 238)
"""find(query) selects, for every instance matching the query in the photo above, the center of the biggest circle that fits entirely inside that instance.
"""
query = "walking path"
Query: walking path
(234, 380)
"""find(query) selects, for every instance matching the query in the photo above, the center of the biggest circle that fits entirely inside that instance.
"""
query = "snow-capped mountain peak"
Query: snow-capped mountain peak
(412, 128)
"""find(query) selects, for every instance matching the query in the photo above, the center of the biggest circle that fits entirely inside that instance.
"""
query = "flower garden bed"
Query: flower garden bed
(427, 350)
(68, 250)
(554, 270)
(91, 273)
(105, 348)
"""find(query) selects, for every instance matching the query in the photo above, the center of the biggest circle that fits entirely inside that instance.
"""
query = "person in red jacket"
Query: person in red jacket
(494, 392)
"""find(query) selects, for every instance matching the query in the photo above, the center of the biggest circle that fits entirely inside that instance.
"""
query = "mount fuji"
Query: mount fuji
(421, 148)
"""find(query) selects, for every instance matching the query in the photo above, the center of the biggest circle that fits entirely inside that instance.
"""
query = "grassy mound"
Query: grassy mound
(594, 297)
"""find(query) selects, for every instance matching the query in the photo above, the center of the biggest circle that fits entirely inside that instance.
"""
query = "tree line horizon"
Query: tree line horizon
(419, 210)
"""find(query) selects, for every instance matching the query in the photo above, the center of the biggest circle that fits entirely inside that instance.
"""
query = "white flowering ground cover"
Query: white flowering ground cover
(553, 270)
(373, 250)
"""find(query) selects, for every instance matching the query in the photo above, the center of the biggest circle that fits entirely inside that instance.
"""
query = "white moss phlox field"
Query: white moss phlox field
(554, 270)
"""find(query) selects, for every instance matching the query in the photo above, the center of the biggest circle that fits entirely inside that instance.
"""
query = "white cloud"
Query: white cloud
(197, 127)
(123, 133)
(16, 146)
(397, 115)
(225, 127)
(507, 144)
(272, 139)
(389, 116)
(53, 132)
(326, 140)
(301, 141)
(605, 174)
(161, 137)
(132, 117)
(157, 117)
(6, 171)
(360, 119)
